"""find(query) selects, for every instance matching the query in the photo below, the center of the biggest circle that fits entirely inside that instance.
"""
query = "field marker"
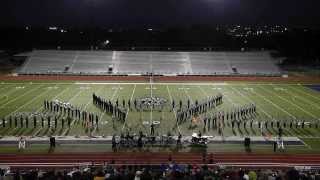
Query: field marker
(174, 112)
(20, 87)
(215, 88)
(295, 105)
(279, 89)
(117, 88)
(84, 88)
(131, 98)
(154, 88)
(184, 88)
(248, 89)
(53, 87)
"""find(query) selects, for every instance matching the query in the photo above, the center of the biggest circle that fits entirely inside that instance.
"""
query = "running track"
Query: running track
(145, 158)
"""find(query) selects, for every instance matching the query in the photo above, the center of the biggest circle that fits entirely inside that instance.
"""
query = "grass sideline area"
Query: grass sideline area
(313, 147)
(275, 101)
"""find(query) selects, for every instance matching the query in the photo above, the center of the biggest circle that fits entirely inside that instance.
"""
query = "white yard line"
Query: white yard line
(250, 100)
(303, 99)
(191, 99)
(174, 112)
(76, 95)
(33, 99)
(22, 107)
(25, 105)
(278, 107)
(227, 97)
(204, 92)
(307, 112)
(90, 100)
(266, 113)
(6, 87)
(131, 98)
(41, 107)
(303, 92)
(186, 92)
(9, 92)
(113, 95)
(18, 97)
(151, 117)
(85, 107)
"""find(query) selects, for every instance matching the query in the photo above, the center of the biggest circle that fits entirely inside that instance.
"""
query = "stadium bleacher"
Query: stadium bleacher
(143, 62)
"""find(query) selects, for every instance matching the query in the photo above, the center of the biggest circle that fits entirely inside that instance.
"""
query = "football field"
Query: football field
(283, 103)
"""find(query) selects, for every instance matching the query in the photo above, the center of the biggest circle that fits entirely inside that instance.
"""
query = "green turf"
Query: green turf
(284, 102)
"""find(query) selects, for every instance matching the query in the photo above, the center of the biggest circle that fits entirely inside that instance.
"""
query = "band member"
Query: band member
(152, 129)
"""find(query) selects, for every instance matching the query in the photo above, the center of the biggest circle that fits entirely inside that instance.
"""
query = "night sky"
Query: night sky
(157, 13)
